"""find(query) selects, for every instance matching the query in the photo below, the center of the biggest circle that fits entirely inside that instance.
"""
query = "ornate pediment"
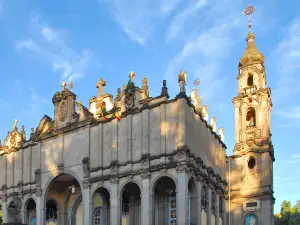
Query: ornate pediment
(45, 126)
(13, 139)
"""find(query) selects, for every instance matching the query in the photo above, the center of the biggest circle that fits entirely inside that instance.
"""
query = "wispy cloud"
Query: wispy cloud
(205, 45)
(35, 103)
(138, 19)
(291, 112)
(50, 45)
(286, 59)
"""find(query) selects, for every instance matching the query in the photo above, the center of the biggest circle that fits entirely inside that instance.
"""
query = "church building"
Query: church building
(141, 160)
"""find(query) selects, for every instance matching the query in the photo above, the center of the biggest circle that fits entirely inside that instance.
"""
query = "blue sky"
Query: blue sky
(46, 42)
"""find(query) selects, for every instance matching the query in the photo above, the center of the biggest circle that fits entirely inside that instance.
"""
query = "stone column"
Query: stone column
(199, 200)
(115, 218)
(87, 203)
(182, 195)
(217, 213)
(209, 205)
(40, 208)
(5, 211)
(146, 199)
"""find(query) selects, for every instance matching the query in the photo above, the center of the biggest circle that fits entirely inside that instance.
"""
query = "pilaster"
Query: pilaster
(5, 211)
(87, 203)
(182, 194)
(199, 200)
(40, 210)
(209, 205)
(114, 202)
(217, 214)
(146, 200)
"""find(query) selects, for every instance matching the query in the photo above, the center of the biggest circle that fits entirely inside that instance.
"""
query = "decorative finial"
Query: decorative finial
(15, 124)
(248, 11)
(164, 89)
(196, 83)
(182, 81)
(71, 85)
(100, 85)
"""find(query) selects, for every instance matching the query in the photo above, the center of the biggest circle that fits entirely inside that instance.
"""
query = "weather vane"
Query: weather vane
(248, 11)
(196, 83)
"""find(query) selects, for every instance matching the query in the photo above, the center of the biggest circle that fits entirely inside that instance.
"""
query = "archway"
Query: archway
(30, 212)
(164, 204)
(63, 202)
(101, 207)
(192, 203)
(251, 117)
(131, 204)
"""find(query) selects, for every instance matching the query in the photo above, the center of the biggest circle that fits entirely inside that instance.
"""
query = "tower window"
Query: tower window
(250, 80)
(251, 163)
(250, 117)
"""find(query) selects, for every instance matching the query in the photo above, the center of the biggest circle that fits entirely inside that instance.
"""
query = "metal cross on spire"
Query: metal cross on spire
(248, 11)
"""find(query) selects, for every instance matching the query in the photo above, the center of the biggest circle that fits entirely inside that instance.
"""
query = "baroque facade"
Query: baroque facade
(144, 160)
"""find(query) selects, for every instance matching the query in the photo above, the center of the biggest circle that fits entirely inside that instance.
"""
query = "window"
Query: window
(51, 212)
(250, 80)
(251, 117)
(220, 205)
(251, 163)
(204, 197)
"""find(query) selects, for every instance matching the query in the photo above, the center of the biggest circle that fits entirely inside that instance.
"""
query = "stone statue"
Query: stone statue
(182, 81)
(196, 100)
(213, 123)
(145, 87)
(100, 85)
(205, 112)
(221, 133)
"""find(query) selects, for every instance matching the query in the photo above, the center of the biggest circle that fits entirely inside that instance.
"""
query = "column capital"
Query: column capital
(86, 184)
(114, 180)
(145, 174)
(183, 168)
(38, 192)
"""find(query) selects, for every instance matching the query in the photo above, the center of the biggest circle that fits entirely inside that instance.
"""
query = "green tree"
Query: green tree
(288, 215)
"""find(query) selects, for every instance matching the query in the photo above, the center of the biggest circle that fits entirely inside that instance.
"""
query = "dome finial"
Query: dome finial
(248, 11)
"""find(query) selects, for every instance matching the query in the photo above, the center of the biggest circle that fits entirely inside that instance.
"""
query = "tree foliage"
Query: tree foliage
(288, 215)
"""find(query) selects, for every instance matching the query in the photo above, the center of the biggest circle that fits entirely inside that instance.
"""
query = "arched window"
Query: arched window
(251, 117)
(250, 80)
(51, 212)
(251, 219)
(220, 205)
(204, 197)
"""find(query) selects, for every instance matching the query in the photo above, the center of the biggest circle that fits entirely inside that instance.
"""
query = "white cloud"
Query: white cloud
(291, 112)
(286, 58)
(49, 44)
(137, 18)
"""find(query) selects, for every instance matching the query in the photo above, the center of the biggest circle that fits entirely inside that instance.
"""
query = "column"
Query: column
(217, 213)
(115, 218)
(87, 203)
(199, 200)
(209, 205)
(5, 211)
(146, 205)
(182, 195)
(40, 209)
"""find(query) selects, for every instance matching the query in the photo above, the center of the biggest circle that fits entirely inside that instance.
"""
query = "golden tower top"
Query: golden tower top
(251, 55)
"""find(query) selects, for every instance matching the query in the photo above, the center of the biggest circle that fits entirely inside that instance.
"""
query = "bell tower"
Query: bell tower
(251, 166)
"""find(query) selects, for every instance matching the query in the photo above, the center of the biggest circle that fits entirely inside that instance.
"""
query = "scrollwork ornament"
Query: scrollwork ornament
(182, 169)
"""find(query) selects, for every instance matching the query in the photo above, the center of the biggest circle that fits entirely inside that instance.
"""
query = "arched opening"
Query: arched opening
(251, 219)
(14, 210)
(131, 204)
(251, 163)
(164, 204)
(251, 117)
(213, 208)
(204, 204)
(101, 207)
(1, 215)
(250, 80)
(30, 213)
(63, 202)
(192, 203)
